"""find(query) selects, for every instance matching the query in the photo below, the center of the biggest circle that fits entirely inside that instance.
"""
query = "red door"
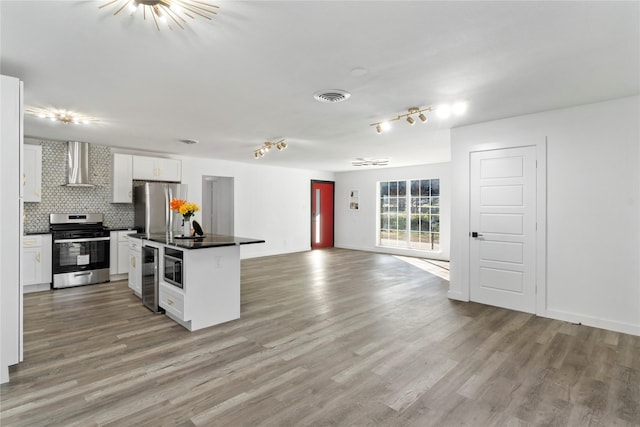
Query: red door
(321, 214)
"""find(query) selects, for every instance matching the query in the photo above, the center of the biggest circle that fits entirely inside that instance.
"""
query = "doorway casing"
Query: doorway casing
(462, 274)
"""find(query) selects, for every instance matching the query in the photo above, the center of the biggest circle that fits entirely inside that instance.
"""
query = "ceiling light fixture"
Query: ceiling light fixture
(160, 10)
(268, 145)
(443, 111)
(367, 161)
(59, 115)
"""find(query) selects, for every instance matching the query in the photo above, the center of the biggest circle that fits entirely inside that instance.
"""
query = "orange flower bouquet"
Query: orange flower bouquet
(184, 208)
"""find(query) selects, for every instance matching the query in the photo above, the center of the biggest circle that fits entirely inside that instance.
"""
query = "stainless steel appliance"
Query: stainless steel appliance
(150, 279)
(80, 249)
(173, 272)
(78, 165)
(153, 214)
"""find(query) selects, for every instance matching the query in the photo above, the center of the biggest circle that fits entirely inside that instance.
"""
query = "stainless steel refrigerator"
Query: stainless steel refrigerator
(153, 214)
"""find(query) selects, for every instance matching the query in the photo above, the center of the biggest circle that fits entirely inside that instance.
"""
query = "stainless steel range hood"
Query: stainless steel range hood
(78, 172)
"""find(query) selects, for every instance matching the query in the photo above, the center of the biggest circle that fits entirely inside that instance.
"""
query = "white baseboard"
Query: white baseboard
(395, 251)
(275, 252)
(457, 296)
(611, 325)
(27, 289)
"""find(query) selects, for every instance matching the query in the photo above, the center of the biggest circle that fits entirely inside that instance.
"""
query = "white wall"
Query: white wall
(357, 229)
(593, 209)
(271, 203)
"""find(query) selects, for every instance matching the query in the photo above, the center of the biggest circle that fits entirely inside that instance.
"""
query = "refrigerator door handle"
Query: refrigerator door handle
(168, 216)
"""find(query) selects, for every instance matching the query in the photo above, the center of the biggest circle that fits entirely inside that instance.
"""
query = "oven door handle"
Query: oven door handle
(88, 239)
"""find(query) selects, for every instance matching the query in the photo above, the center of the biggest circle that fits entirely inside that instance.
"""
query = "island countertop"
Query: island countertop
(202, 242)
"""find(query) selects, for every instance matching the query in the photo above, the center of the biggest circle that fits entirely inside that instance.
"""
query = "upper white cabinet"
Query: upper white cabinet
(32, 173)
(121, 178)
(157, 169)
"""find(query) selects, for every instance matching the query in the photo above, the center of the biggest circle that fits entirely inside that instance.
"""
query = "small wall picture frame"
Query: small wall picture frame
(354, 202)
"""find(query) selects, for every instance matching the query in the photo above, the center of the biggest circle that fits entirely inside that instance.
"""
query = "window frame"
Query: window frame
(399, 202)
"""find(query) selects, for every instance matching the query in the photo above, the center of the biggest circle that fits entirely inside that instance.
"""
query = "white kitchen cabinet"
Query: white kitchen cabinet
(36, 264)
(135, 266)
(119, 254)
(123, 251)
(32, 173)
(211, 287)
(157, 169)
(11, 328)
(122, 178)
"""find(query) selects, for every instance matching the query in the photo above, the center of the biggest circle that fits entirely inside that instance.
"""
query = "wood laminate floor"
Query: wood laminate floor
(326, 338)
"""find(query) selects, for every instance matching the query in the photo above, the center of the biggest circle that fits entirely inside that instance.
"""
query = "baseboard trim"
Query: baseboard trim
(611, 325)
(393, 251)
(457, 296)
(273, 253)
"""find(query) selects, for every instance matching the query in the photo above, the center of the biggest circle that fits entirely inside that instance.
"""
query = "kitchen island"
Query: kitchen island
(198, 278)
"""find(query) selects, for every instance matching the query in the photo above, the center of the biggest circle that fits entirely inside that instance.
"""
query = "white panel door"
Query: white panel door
(503, 228)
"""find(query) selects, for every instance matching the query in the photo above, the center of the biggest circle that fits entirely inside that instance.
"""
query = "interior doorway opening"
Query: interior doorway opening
(218, 205)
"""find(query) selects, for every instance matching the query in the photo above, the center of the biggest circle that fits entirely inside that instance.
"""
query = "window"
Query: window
(410, 214)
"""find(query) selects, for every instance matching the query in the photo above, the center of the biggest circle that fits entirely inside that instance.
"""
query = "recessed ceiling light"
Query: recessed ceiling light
(359, 72)
(331, 95)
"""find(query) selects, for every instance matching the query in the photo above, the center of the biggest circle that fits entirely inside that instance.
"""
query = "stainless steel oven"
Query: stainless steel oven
(80, 249)
(173, 272)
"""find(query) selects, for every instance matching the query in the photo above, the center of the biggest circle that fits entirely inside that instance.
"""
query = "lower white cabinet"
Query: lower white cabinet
(211, 287)
(172, 300)
(135, 265)
(36, 263)
(119, 254)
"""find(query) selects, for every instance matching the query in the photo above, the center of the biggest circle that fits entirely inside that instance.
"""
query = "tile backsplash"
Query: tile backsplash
(56, 198)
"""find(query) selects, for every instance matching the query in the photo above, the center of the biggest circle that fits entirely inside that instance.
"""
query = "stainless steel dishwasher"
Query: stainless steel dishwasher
(150, 279)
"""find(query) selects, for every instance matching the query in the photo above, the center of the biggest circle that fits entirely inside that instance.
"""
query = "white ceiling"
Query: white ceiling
(249, 75)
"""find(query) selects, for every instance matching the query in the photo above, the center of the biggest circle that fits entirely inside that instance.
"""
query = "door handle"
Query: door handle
(475, 234)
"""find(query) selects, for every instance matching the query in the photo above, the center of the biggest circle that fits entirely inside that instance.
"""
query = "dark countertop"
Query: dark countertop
(35, 233)
(206, 241)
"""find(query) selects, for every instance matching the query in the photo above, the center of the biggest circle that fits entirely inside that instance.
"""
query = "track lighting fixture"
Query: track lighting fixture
(443, 111)
(268, 145)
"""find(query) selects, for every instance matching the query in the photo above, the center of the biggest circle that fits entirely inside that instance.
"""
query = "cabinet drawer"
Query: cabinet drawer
(31, 241)
(123, 236)
(135, 244)
(172, 300)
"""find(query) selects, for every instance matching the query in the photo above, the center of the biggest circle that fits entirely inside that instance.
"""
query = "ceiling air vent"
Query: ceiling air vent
(366, 161)
(331, 95)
